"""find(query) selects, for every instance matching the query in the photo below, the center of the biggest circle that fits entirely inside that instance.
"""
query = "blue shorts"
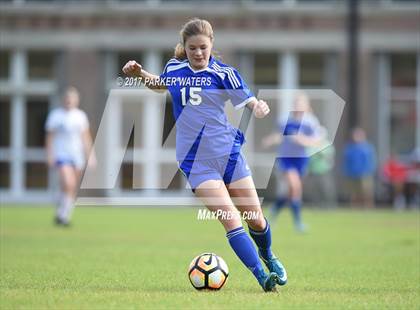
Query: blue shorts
(65, 162)
(79, 164)
(229, 168)
(299, 164)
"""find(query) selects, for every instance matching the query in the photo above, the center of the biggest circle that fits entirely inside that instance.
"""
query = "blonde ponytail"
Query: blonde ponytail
(180, 53)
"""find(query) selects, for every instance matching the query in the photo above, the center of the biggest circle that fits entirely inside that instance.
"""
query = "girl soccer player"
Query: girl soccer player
(295, 134)
(68, 143)
(208, 147)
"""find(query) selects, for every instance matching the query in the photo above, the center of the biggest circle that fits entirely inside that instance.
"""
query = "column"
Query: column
(289, 80)
(18, 124)
(246, 69)
(418, 102)
(383, 104)
(152, 129)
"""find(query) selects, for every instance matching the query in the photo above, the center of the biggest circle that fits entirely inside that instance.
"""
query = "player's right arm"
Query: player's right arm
(151, 81)
(273, 139)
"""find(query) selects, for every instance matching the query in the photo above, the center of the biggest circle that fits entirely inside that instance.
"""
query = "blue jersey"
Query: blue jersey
(308, 125)
(199, 97)
(359, 159)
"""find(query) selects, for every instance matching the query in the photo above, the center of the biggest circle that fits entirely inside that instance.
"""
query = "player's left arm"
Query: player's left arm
(260, 108)
(241, 94)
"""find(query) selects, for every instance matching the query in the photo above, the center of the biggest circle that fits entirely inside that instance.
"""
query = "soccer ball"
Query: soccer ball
(208, 271)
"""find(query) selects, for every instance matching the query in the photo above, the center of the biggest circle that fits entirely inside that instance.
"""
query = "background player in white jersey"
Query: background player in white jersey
(208, 147)
(68, 143)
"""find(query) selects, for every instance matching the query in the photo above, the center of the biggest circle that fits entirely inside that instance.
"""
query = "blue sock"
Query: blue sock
(296, 206)
(263, 240)
(277, 206)
(279, 203)
(245, 250)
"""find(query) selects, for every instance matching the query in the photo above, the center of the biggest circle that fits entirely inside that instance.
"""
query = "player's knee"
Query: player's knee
(296, 192)
(70, 187)
(230, 224)
(258, 223)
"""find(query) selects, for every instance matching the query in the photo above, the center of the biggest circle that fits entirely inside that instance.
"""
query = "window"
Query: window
(36, 69)
(41, 65)
(311, 69)
(127, 176)
(266, 69)
(4, 65)
(4, 174)
(36, 175)
(4, 122)
(403, 70)
(403, 126)
(403, 102)
(36, 114)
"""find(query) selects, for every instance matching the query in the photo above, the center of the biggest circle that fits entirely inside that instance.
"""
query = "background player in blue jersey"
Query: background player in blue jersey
(208, 147)
(295, 133)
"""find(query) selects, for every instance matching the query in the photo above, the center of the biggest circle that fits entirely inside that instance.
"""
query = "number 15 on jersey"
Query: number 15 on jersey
(194, 95)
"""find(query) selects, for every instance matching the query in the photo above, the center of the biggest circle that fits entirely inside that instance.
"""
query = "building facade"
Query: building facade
(288, 44)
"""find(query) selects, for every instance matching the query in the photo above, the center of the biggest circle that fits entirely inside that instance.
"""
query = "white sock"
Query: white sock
(59, 212)
(68, 208)
(65, 208)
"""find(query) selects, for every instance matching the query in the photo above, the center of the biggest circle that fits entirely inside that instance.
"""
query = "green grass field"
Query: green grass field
(122, 258)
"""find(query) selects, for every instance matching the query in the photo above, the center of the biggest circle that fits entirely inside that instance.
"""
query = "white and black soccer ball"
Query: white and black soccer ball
(208, 272)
